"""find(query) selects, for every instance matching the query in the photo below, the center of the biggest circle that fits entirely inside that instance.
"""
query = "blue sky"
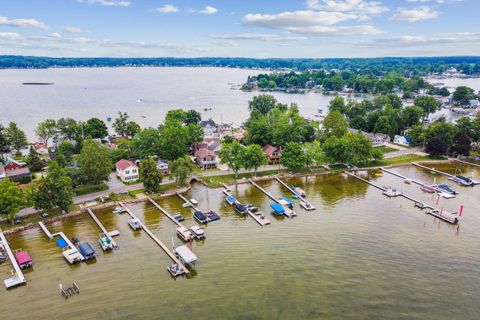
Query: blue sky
(248, 28)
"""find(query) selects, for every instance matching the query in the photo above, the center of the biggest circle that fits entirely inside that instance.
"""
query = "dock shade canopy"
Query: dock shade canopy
(286, 200)
(23, 257)
(277, 208)
(186, 254)
(200, 215)
(61, 243)
(231, 199)
(86, 249)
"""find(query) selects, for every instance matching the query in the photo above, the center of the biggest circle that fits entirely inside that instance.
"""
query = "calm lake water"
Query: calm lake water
(360, 255)
(145, 93)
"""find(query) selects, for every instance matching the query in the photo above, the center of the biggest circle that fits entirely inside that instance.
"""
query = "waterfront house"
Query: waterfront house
(162, 165)
(378, 139)
(14, 170)
(205, 158)
(2, 172)
(273, 154)
(40, 148)
(126, 170)
(209, 128)
(402, 140)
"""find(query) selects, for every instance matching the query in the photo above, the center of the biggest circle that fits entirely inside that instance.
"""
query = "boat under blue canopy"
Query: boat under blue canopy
(61, 243)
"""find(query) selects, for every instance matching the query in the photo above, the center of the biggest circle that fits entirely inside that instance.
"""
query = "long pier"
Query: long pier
(305, 202)
(158, 242)
(45, 230)
(288, 212)
(192, 206)
(469, 163)
(18, 278)
(448, 217)
(165, 212)
(260, 221)
(104, 230)
(433, 170)
(63, 236)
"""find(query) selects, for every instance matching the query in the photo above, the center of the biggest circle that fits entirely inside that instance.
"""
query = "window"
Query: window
(134, 171)
(127, 171)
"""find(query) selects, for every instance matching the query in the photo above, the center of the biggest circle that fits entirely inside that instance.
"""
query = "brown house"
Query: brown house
(273, 154)
(205, 158)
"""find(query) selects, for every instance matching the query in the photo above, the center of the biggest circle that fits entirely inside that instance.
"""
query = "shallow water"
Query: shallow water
(358, 256)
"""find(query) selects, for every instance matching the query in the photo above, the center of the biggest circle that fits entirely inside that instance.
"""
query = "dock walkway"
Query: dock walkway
(158, 242)
(260, 221)
(288, 212)
(433, 170)
(63, 236)
(192, 206)
(102, 228)
(45, 230)
(469, 163)
(165, 212)
(445, 216)
(18, 278)
(307, 204)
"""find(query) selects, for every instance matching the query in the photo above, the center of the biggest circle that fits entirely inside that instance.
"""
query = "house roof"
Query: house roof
(162, 162)
(213, 145)
(10, 160)
(268, 149)
(18, 172)
(2, 168)
(124, 164)
(202, 153)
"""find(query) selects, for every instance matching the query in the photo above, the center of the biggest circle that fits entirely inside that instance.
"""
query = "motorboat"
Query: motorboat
(23, 259)
(464, 181)
(184, 233)
(193, 201)
(186, 205)
(240, 208)
(134, 223)
(278, 209)
(198, 232)
(300, 192)
(105, 242)
(119, 210)
(200, 217)
(285, 202)
(86, 250)
(212, 216)
(408, 181)
(392, 192)
(175, 270)
(72, 256)
(178, 217)
(445, 188)
(230, 200)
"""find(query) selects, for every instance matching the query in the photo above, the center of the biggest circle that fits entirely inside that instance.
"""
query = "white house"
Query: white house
(162, 165)
(401, 140)
(127, 171)
(209, 128)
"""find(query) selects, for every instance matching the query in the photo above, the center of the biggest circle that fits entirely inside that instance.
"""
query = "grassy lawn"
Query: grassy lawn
(88, 188)
(401, 160)
(384, 150)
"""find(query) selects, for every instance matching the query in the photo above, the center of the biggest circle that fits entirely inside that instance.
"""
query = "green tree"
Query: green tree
(428, 104)
(232, 154)
(182, 168)
(313, 154)
(195, 133)
(16, 137)
(293, 156)
(192, 117)
(174, 139)
(262, 103)
(120, 123)
(253, 157)
(4, 143)
(417, 134)
(410, 116)
(55, 190)
(132, 129)
(65, 151)
(436, 146)
(46, 130)
(462, 95)
(68, 128)
(33, 161)
(462, 144)
(259, 131)
(151, 176)
(95, 128)
(383, 125)
(335, 125)
(146, 143)
(11, 199)
(178, 115)
(338, 104)
(94, 162)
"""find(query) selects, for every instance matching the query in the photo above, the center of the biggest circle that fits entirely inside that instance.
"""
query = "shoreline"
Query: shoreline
(182, 190)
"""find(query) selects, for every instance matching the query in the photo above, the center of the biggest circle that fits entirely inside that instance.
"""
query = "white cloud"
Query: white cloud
(311, 22)
(437, 1)
(258, 36)
(208, 10)
(73, 30)
(107, 3)
(445, 39)
(82, 40)
(33, 23)
(54, 36)
(10, 36)
(414, 14)
(357, 6)
(167, 8)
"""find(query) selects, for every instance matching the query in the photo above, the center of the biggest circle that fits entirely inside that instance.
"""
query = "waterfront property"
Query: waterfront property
(273, 154)
(126, 170)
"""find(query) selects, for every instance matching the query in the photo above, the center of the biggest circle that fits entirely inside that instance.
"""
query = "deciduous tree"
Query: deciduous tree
(11, 199)
(293, 156)
(151, 176)
(94, 162)
(16, 137)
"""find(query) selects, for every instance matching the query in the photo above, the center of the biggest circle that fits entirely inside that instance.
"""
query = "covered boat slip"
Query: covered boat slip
(181, 266)
(106, 234)
(288, 212)
(72, 255)
(300, 195)
(201, 217)
(18, 278)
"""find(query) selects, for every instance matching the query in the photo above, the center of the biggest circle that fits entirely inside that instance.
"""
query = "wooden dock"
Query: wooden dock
(288, 212)
(263, 222)
(63, 236)
(466, 162)
(45, 230)
(18, 278)
(448, 217)
(102, 228)
(433, 170)
(165, 212)
(192, 206)
(158, 242)
(305, 202)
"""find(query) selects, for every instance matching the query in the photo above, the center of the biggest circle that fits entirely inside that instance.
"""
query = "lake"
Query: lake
(145, 93)
(360, 255)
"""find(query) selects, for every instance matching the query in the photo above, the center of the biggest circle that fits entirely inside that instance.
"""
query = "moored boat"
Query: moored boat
(284, 201)
(23, 259)
(212, 216)
(278, 209)
(427, 188)
(134, 223)
(186, 256)
(240, 208)
(178, 217)
(300, 192)
(200, 217)
(445, 188)
(105, 242)
(86, 250)
(198, 232)
(392, 192)
(230, 200)
(184, 233)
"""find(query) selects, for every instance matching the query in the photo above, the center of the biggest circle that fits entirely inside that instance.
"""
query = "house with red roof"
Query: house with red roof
(205, 158)
(14, 170)
(127, 171)
(273, 154)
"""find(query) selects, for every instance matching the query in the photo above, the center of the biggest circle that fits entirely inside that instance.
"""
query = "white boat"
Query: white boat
(193, 201)
(118, 210)
(186, 205)
(134, 223)
(184, 233)
(198, 232)
(105, 242)
(300, 192)
(72, 256)
(175, 270)
(186, 256)
(307, 206)
(392, 192)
